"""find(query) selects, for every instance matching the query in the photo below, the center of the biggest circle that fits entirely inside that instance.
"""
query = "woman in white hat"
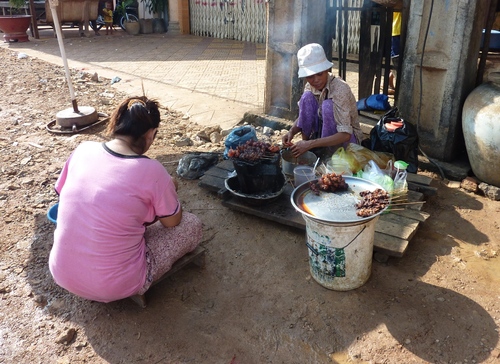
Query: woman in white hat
(328, 116)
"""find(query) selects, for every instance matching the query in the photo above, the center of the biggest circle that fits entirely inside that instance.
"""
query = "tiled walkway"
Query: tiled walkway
(213, 80)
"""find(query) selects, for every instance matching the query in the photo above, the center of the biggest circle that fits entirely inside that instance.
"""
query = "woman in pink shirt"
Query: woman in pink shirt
(120, 225)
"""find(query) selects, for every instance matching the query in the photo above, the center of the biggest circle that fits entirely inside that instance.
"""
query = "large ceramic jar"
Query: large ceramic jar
(481, 128)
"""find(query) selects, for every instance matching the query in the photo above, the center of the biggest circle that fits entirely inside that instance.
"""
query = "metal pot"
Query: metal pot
(232, 184)
(289, 162)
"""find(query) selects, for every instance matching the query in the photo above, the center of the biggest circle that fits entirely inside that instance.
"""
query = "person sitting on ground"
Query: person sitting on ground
(328, 116)
(107, 13)
(120, 225)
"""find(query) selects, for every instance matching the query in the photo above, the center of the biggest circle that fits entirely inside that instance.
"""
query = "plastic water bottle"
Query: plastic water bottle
(400, 183)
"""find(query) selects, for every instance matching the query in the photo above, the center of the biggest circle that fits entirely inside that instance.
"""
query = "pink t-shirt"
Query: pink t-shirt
(105, 199)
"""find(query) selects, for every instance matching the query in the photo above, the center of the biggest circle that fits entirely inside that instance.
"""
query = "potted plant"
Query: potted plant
(15, 25)
(131, 25)
(157, 8)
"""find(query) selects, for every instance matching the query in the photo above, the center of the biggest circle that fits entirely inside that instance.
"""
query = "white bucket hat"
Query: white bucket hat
(312, 60)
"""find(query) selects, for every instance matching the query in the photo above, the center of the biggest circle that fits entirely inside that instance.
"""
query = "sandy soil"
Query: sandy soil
(255, 301)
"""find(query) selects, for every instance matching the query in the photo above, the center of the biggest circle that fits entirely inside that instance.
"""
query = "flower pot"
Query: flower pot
(158, 26)
(132, 27)
(15, 27)
(146, 26)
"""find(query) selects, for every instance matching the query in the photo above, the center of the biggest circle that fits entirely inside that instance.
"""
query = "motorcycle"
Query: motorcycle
(119, 18)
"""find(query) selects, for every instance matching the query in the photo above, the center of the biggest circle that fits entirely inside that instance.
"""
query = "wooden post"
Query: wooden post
(184, 16)
(34, 22)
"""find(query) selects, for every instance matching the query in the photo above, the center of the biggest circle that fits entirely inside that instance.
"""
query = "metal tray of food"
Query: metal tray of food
(335, 207)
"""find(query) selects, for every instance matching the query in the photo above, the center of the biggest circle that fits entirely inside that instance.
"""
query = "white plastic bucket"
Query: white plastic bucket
(340, 256)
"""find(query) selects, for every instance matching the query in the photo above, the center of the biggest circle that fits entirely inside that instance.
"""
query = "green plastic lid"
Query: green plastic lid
(400, 164)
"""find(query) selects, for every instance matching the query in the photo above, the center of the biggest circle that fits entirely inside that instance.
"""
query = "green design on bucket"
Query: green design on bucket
(329, 261)
(325, 259)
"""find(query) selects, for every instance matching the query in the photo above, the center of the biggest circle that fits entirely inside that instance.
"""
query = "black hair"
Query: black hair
(133, 118)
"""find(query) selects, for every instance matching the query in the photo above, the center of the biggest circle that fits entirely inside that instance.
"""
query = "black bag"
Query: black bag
(194, 165)
(402, 141)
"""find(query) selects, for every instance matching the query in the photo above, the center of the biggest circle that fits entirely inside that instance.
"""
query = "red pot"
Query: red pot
(15, 27)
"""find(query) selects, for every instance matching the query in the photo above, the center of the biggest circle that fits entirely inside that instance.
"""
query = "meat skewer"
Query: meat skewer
(372, 202)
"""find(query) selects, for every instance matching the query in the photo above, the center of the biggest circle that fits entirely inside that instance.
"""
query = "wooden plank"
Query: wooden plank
(389, 245)
(213, 179)
(280, 211)
(217, 172)
(419, 178)
(393, 227)
(418, 215)
(393, 230)
(426, 190)
(211, 183)
(226, 164)
(196, 257)
(414, 196)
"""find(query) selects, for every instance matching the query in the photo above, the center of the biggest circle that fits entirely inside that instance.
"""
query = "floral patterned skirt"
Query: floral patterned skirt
(164, 246)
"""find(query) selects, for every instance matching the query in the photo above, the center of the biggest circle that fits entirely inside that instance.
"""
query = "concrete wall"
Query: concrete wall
(291, 24)
(448, 71)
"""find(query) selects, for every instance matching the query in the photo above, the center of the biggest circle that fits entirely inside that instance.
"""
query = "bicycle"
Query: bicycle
(130, 13)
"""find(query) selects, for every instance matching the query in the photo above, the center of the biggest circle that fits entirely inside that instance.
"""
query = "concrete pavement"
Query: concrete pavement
(214, 81)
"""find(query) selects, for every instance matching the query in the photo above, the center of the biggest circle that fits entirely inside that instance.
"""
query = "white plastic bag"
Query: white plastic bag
(373, 173)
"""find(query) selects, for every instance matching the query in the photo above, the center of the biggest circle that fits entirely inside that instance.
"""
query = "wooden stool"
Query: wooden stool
(196, 257)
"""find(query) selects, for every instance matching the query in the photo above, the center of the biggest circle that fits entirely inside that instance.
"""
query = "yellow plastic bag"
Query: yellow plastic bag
(341, 163)
(359, 156)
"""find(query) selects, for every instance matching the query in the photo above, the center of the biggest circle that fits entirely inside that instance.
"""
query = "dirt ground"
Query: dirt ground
(255, 301)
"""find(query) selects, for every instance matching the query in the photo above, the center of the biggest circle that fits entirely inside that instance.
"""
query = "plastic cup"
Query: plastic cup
(302, 174)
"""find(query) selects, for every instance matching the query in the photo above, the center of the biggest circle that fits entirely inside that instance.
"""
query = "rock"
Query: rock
(197, 141)
(27, 181)
(56, 304)
(215, 137)
(67, 337)
(470, 184)
(182, 142)
(109, 95)
(95, 77)
(203, 135)
(267, 131)
(492, 192)
(453, 184)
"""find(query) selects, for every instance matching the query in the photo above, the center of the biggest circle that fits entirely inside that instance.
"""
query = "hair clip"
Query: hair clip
(135, 101)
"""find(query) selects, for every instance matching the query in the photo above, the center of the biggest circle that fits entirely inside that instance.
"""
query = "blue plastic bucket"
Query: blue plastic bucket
(52, 213)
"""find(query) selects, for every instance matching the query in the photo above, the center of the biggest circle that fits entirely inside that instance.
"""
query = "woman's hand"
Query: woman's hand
(287, 140)
(300, 147)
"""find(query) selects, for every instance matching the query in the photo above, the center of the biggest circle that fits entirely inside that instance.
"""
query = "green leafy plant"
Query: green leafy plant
(155, 6)
(16, 5)
(121, 8)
